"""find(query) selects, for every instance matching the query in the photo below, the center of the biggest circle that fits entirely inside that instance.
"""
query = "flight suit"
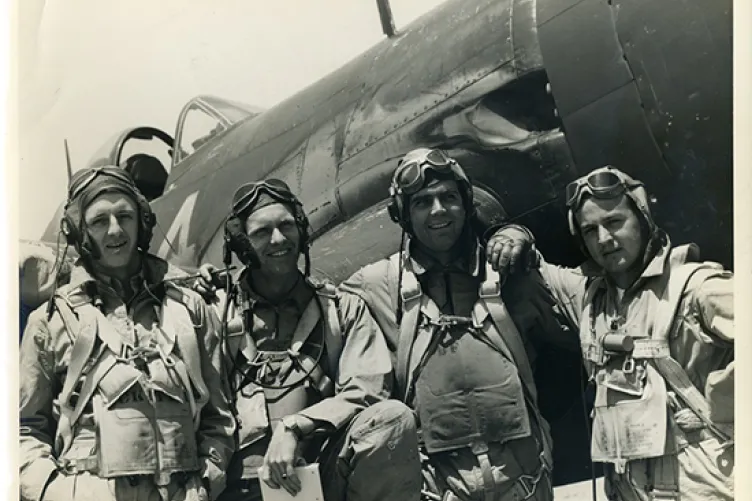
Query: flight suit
(123, 399)
(482, 435)
(691, 457)
(343, 364)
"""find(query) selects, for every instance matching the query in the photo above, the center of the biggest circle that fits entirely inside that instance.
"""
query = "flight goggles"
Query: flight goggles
(251, 192)
(86, 179)
(605, 183)
(410, 176)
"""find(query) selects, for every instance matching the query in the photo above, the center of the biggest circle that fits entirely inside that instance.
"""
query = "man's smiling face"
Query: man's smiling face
(437, 215)
(111, 221)
(275, 237)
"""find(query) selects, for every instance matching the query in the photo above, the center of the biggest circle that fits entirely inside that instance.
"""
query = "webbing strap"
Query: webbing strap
(412, 345)
(507, 338)
(307, 323)
(176, 324)
(332, 328)
(490, 489)
(84, 335)
(670, 369)
(665, 478)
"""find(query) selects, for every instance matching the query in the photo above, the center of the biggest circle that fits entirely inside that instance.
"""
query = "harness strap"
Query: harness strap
(85, 335)
(665, 479)
(670, 369)
(508, 340)
(332, 328)
(307, 323)
(490, 488)
(412, 345)
(177, 325)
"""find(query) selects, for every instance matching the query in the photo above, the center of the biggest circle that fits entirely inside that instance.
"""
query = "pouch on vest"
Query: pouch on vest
(488, 405)
(141, 436)
(629, 423)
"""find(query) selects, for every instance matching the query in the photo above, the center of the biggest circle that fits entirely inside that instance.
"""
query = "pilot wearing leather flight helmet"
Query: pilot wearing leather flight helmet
(656, 332)
(120, 383)
(463, 339)
(309, 368)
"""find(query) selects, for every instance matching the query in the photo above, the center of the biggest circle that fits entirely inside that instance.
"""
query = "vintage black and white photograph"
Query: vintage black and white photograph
(406, 250)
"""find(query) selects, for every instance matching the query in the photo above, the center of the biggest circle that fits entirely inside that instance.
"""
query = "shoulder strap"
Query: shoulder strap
(508, 340)
(178, 327)
(410, 349)
(506, 337)
(327, 295)
(84, 329)
(670, 369)
(592, 352)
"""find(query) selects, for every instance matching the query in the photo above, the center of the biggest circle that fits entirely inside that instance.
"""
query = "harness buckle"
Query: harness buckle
(528, 484)
(479, 447)
(446, 321)
(126, 353)
(411, 294)
(489, 289)
(663, 494)
(629, 365)
(67, 467)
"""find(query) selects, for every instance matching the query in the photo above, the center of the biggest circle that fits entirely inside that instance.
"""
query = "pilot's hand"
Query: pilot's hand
(511, 249)
(204, 284)
(280, 460)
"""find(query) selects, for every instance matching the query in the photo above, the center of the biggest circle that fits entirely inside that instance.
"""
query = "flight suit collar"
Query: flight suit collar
(298, 297)
(659, 265)
(153, 272)
(469, 260)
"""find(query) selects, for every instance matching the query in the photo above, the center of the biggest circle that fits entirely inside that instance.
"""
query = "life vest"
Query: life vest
(152, 435)
(275, 384)
(494, 412)
(632, 400)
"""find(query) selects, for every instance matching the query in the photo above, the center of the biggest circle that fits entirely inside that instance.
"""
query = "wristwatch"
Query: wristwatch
(290, 423)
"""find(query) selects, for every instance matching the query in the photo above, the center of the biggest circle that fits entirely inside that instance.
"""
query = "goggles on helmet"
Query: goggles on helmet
(410, 176)
(605, 183)
(76, 189)
(276, 188)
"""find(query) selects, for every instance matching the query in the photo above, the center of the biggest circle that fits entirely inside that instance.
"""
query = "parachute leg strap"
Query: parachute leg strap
(490, 489)
(665, 474)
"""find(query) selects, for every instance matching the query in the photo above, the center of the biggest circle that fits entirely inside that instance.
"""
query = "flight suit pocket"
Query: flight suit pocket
(493, 414)
(177, 447)
(253, 419)
(127, 442)
(627, 426)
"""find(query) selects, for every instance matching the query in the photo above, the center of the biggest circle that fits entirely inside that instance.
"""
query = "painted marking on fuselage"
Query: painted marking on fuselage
(179, 230)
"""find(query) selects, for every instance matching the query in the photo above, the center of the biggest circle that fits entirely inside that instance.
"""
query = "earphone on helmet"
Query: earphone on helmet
(72, 223)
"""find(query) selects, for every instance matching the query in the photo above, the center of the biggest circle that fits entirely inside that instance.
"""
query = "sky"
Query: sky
(91, 68)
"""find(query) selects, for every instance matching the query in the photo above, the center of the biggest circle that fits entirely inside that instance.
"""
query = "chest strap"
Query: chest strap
(87, 368)
(325, 301)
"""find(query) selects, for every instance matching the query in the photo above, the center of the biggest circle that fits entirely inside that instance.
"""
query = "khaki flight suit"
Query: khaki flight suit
(361, 435)
(695, 460)
(482, 435)
(130, 440)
